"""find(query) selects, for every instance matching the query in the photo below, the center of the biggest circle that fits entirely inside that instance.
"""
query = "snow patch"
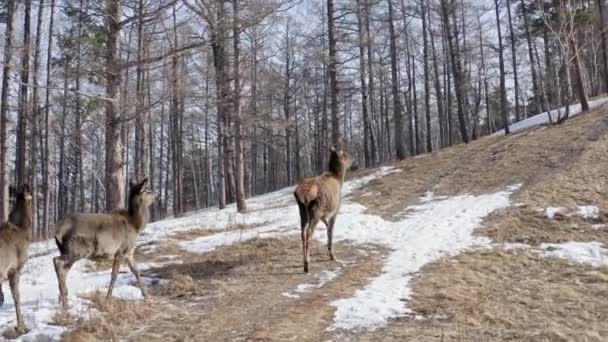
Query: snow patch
(543, 118)
(430, 231)
(289, 295)
(324, 278)
(588, 212)
(550, 212)
(581, 252)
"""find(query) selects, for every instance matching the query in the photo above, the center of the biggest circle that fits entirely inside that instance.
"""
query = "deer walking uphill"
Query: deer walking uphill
(319, 199)
(93, 236)
(14, 244)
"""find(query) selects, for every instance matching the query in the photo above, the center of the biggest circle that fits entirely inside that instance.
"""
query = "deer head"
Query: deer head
(139, 195)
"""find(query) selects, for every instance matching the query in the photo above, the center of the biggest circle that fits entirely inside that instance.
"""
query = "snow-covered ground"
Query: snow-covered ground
(435, 228)
(543, 118)
(581, 252)
(587, 212)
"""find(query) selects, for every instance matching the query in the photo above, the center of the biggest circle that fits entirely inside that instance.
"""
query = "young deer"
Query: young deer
(319, 200)
(94, 236)
(14, 244)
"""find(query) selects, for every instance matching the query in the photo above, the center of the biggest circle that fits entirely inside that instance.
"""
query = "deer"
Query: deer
(14, 244)
(319, 199)
(103, 235)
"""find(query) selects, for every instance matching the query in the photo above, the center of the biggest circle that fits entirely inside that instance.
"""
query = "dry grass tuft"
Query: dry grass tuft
(11, 333)
(63, 318)
(191, 234)
(108, 319)
(78, 336)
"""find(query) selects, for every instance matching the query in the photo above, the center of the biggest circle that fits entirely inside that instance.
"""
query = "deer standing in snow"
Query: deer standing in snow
(319, 200)
(14, 244)
(94, 236)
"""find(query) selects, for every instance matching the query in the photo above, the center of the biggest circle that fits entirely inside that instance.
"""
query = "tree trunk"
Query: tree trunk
(514, 61)
(35, 122)
(397, 108)
(368, 159)
(46, 160)
(240, 158)
(603, 27)
(489, 120)
(580, 82)
(286, 106)
(501, 62)
(219, 62)
(115, 180)
(427, 86)
(438, 96)
(23, 109)
(333, 73)
(141, 152)
(370, 77)
(455, 58)
(6, 73)
(538, 96)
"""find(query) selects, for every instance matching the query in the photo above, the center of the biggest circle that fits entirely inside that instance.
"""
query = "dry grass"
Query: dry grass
(582, 182)
(191, 234)
(517, 296)
(234, 293)
(11, 333)
(491, 163)
(111, 320)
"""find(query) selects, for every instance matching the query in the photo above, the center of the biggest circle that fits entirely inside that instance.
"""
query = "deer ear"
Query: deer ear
(143, 184)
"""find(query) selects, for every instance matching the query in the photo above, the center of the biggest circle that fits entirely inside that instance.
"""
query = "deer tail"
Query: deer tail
(63, 233)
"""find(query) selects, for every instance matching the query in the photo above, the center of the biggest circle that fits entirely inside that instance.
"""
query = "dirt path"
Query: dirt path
(247, 291)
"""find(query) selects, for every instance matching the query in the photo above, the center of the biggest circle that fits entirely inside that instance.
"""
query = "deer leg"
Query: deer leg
(135, 271)
(14, 284)
(303, 226)
(309, 231)
(330, 235)
(1, 296)
(115, 269)
(61, 269)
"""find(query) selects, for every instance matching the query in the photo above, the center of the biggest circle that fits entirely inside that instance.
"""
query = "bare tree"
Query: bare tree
(114, 178)
(501, 62)
(397, 107)
(6, 72)
(333, 73)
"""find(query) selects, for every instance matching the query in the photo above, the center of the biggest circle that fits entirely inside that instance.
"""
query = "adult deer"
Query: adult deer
(94, 236)
(14, 243)
(319, 200)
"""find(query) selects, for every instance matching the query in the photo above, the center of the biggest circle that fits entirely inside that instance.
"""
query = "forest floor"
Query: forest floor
(497, 240)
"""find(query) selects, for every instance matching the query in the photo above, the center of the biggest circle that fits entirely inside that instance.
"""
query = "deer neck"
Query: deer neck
(138, 216)
(21, 215)
(340, 176)
(337, 168)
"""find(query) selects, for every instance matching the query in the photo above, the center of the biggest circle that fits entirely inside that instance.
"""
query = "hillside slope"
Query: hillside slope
(500, 239)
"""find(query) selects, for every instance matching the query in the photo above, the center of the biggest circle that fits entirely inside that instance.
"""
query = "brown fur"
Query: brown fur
(94, 236)
(319, 199)
(14, 244)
